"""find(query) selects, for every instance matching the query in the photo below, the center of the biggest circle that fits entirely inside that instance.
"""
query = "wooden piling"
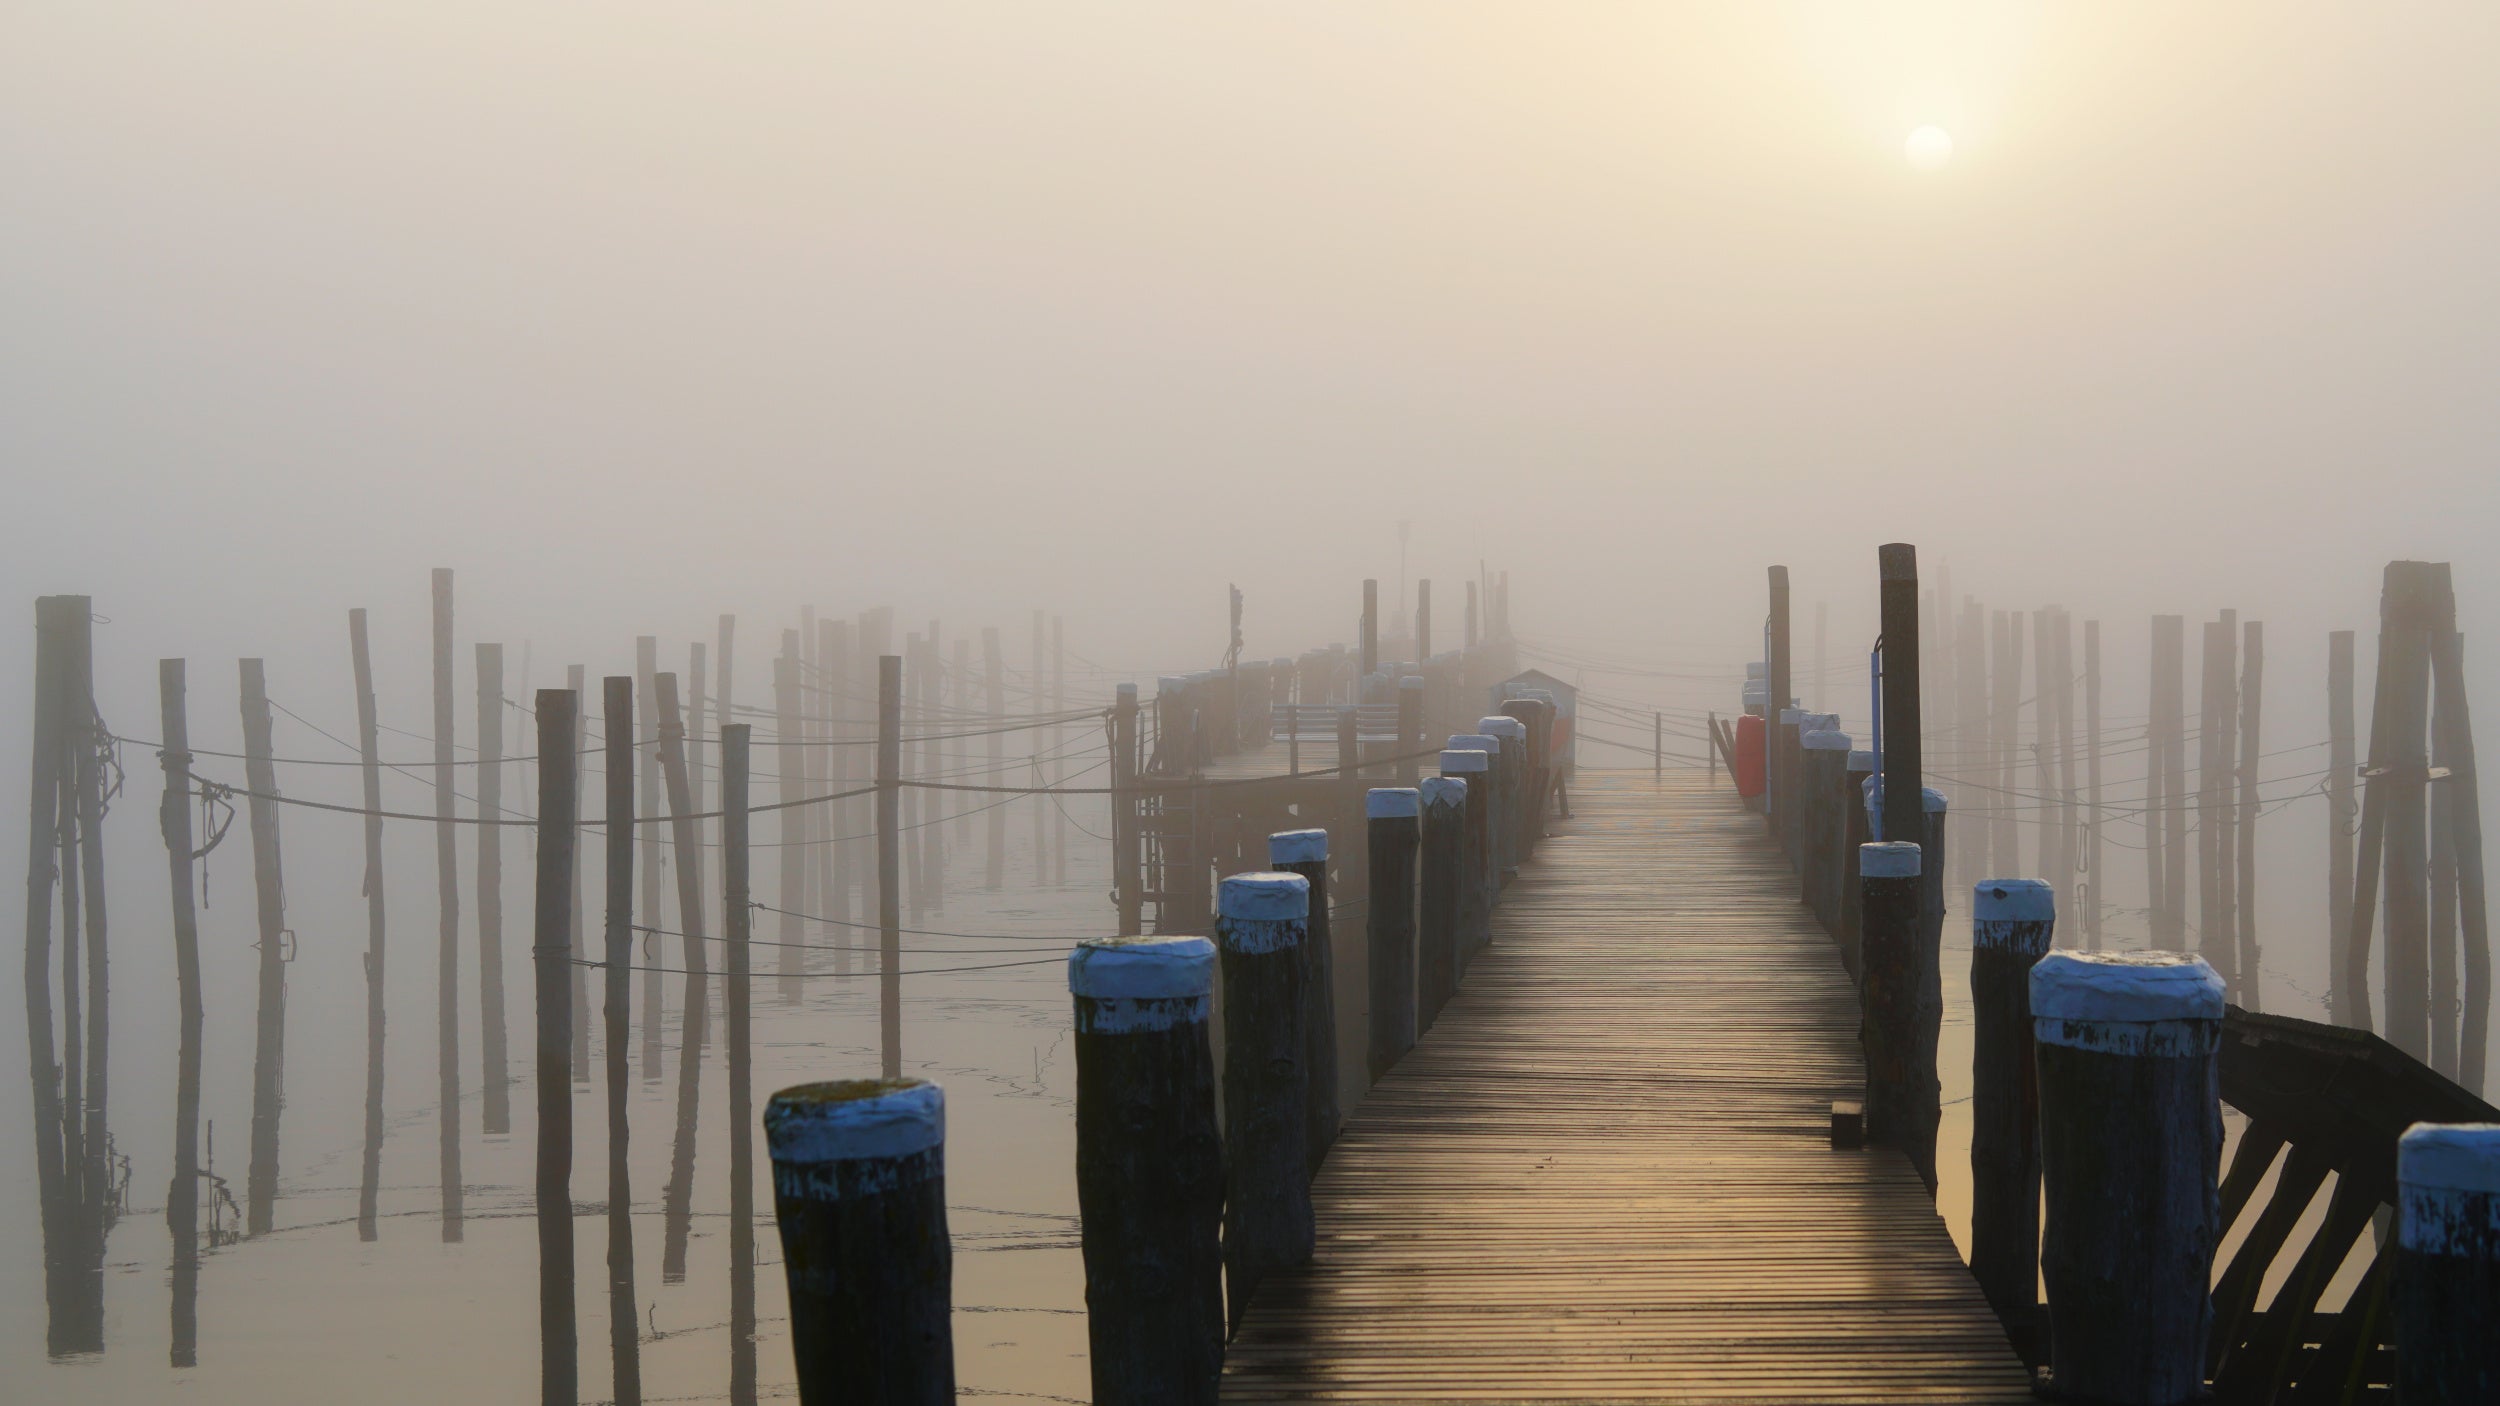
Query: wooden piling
(889, 855)
(182, 1195)
(1474, 766)
(1305, 853)
(1368, 659)
(1778, 688)
(1128, 887)
(1440, 895)
(368, 745)
(447, 925)
(1904, 790)
(2244, 847)
(551, 954)
(1888, 875)
(2216, 934)
(2166, 851)
(1262, 923)
(575, 681)
(1393, 818)
(2404, 658)
(739, 927)
(616, 720)
(1860, 829)
(1511, 786)
(2465, 818)
(646, 665)
(1149, 1169)
(2130, 1148)
(2012, 923)
(260, 777)
(1824, 801)
(495, 1083)
(2447, 1275)
(694, 1015)
(56, 621)
(859, 1190)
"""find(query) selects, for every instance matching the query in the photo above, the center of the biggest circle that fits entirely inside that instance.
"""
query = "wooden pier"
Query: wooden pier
(1605, 1174)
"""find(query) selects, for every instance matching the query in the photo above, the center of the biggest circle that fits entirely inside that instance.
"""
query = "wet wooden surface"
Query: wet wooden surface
(1605, 1174)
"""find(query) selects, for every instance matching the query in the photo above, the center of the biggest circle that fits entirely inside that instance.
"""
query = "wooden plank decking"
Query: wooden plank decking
(1605, 1174)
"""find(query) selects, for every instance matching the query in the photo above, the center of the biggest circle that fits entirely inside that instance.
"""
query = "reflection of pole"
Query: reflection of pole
(182, 1197)
(551, 950)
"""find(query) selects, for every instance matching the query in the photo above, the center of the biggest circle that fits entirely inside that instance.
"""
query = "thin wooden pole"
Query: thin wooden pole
(1905, 815)
(739, 921)
(576, 682)
(909, 801)
(2169, 708)
(2053, 865)
(2445, 999)
(1149, 1169)
(1779, 687)
(1059, 768)
(833, 676)
(646, 665)
(182, 1195)
(447, 925)
(2342, 814)
(551, 951)
(889, 844)
(994, 673)
(368, 744)
(2407, 878)
(624, 1318)
(1128, 858)
(53, 707)
(86, 731)
(791, 860)
(1367, 641)
(2244, 850)
(496, 1083)
(2071, 860)
(694, 1015)
(260, 776)
(2466, 820)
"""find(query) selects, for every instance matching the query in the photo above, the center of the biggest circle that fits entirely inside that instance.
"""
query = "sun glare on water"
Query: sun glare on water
(1928, 148)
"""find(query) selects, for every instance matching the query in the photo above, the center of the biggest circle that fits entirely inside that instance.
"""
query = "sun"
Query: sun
(1928, 148)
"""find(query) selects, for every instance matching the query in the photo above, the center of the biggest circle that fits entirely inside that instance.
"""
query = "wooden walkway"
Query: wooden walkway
(1605, 1174)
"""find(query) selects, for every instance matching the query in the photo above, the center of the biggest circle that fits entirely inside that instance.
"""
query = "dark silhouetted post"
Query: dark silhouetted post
(1149, 1168)
(496, 1083)
(1261, 924)
(2130, 1150)
(260, 777)
(2012, 921)
(447, 923)
(2244, 851)
(889, 857)
(182, 1195)
(736, 889)
(1470, 759)
(551, 953)
(1860, 828)
(1305, 852)
(1778, 687)
(368, 744)
(1904, 800)
(2465, 817)
(1392, 825)
(2447, 1280)
(1888, 873)
(859, 1189)
(1824, 801)
(616, 720)
(1441, 895)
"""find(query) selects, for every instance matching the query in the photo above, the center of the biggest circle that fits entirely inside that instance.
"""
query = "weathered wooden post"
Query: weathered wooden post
(1305, 852)
(182, 1195)
(2341, 813)
(1788, 816)
(1825, 789)
(1904, 810)
(1777, 688)
(447, 924)
(737, 887)
(1441, 895)
(551, 954)
(1410, 729)
(1261, 924)
(495, 1074)
(859, 1190)
(889, 858)
(1370, 638)
(1537, 770)
(2012, 921)
(1889, 876)
(368, 745)
(2447, 1279)
(2130, 1151)
(1393, 818)
(1128, 886)
(616, 720)
(1858, 829)
(1149, 1168)
(1470, 759)
(260, 776)
(1511, 787)
(576, 679)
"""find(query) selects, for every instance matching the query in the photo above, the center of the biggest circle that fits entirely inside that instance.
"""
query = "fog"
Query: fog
(640, 315)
